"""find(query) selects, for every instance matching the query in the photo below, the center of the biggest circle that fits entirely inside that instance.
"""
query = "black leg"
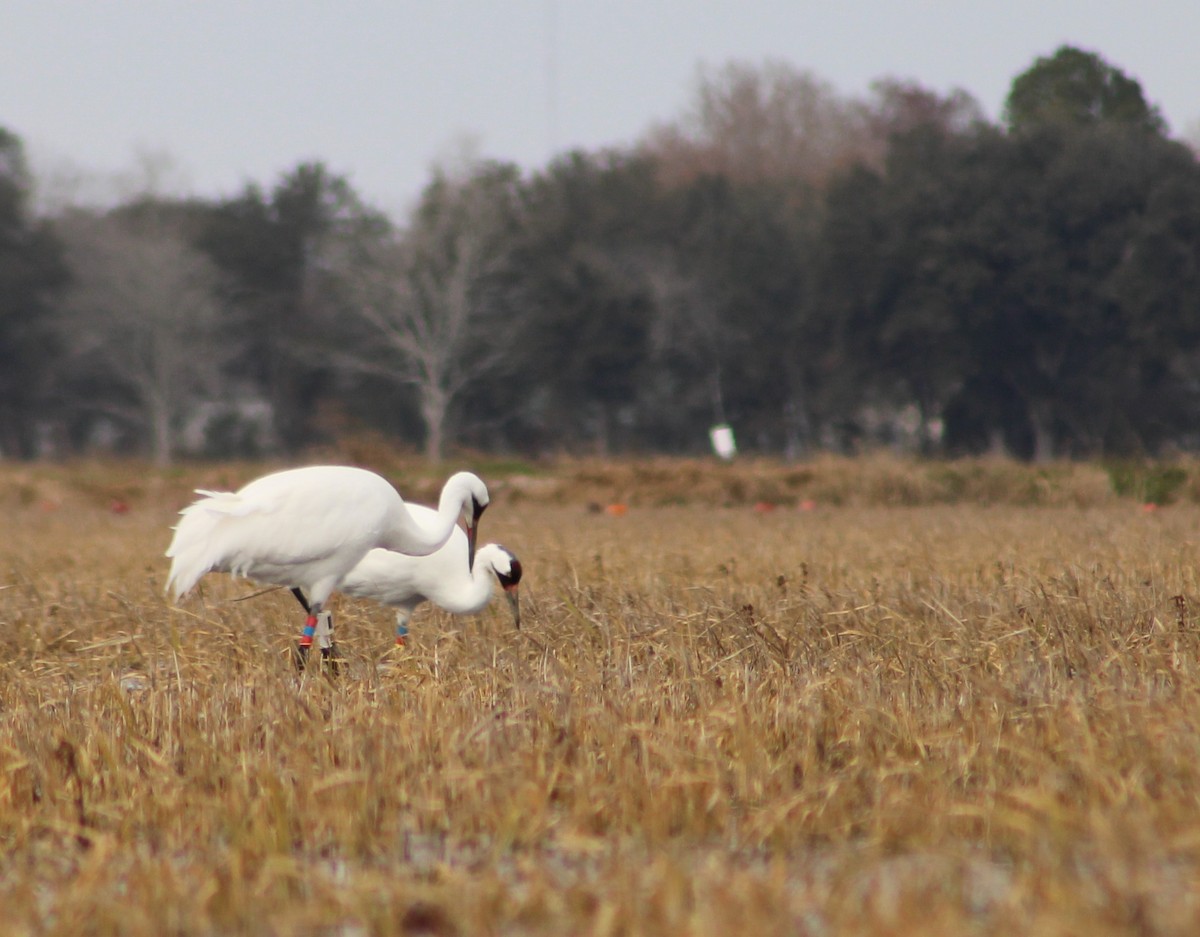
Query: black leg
(332, 660)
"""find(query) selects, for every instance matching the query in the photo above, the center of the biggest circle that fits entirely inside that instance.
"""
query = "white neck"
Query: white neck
(474, 593)
(423, 530)
(433, 530)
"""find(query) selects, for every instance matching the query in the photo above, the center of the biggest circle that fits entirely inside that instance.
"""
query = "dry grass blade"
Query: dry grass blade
(870, 719)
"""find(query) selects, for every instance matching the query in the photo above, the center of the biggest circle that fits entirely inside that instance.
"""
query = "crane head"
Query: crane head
(510, 582)
(466, 492)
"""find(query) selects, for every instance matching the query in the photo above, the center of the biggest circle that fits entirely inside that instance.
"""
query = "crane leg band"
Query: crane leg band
(310, 628)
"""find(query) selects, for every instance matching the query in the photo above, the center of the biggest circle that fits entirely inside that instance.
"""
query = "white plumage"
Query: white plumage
(442, 578)
(306, 528)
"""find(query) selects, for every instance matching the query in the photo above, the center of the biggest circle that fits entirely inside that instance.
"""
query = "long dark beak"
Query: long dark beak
(514, 603)
(472, 533)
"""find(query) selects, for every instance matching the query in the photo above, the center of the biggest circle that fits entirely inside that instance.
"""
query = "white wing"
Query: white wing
(297, 527)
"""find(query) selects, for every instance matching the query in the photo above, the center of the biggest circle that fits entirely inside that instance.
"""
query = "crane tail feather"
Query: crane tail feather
(192, 551)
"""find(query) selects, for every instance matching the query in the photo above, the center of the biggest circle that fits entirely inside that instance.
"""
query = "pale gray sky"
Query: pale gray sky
(243, 90)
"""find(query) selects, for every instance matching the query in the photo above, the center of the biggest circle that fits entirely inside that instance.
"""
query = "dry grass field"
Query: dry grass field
(840, 698)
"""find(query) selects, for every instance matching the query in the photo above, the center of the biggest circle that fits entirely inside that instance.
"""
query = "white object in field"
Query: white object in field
(306, 528)
(404, 582)
(722, 440)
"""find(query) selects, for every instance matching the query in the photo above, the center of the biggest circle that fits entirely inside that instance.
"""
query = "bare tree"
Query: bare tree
(902, 106)
(774, 123)
(763, 123)
(140, 317)
(424, 294)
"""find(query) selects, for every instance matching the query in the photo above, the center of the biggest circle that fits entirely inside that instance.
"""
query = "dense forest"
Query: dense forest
(819, 271)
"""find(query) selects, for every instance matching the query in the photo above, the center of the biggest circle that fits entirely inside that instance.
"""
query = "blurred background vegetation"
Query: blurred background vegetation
(825, 273)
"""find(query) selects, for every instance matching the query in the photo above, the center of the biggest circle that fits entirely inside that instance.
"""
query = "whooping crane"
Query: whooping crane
(404, 582)
(306, 528)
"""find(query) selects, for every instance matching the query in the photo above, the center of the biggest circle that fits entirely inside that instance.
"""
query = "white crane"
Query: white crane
(404, 582)
(306, 528)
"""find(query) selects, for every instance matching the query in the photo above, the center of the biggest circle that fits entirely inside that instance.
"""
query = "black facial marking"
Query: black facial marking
(513, 576)
(477, 507)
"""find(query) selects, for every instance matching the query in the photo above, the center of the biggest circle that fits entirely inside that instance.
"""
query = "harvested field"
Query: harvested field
(952, 699)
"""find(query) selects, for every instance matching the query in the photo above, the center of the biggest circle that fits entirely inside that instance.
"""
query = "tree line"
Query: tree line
(819, 271)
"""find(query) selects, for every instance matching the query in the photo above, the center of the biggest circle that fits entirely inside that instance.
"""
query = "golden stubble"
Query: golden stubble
(817, 719)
